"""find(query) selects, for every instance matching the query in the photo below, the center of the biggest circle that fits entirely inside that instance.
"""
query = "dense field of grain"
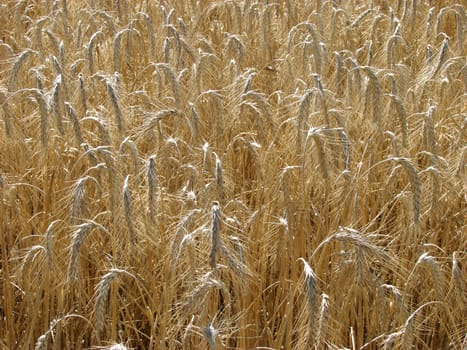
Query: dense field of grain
(233, 175)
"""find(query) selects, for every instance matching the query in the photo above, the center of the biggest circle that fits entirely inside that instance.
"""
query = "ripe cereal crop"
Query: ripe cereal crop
(233, 174)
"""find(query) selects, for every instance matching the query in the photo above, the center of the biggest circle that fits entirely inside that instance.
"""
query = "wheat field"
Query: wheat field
(233, 174)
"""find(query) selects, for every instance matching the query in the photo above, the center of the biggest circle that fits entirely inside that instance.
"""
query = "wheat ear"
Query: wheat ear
(74, 121)
(78, 238)
(23, 56)
(82, 91)
(416, 186)
(303, 112)
(215, 235)
(78, 205)
(315, 134)
(127, 143)
(219, 178)
(90, 48)
(6, 114)
(102, 296)
(152, 183)
(402, 117)
(113, 94)
(311, 290)
(44, 113)
(128, 211)
(210, 333)
(57, 105)
(373, 98)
